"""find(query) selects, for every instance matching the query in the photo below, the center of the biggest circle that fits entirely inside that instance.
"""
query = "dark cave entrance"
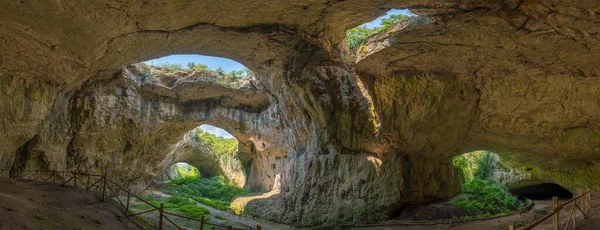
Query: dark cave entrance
(543, 191)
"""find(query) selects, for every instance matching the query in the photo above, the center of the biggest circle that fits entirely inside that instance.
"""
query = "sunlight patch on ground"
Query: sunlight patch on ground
(239, 203)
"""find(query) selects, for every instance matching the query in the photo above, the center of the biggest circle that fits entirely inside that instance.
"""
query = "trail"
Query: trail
(246, 221)
(502, 223)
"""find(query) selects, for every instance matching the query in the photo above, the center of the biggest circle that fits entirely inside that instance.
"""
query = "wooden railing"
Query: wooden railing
(107, 187)
(584, 206)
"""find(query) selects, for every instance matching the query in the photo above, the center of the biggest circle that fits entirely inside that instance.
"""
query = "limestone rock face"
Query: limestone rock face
(338, 137)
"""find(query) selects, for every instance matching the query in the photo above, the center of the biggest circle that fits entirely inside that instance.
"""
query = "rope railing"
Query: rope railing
(584, 206)
(107, 187)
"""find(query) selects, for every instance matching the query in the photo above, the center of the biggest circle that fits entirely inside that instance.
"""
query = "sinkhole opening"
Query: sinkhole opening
(543, 191)
(195, 62)
(358, 36)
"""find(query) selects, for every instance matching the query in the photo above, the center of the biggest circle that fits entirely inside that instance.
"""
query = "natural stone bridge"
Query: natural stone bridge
(368, 132)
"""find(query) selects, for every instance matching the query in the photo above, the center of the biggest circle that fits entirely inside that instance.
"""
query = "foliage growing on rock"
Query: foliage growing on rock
(358, 35)
(482, 196)
(222, 147)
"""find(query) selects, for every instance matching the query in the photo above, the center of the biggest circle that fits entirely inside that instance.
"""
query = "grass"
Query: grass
(178, 203)
(217, 192)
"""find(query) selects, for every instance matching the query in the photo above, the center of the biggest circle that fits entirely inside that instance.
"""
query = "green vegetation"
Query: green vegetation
(200, 67)
(178, 203)
(196, 66)
(185, 174)
(222, 147)
(217, 192)
(482, 196)
(357, 36)
(170, 66)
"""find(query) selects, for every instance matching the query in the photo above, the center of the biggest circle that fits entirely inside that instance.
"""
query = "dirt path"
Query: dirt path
(540, 208)
(246, 221)
(35, 205)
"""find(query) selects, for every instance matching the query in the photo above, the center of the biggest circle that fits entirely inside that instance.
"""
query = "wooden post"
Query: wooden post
(258, 227)
(74, 180)
(104, 187)
(160, 221)
(127, 208)
(510, 227)
(574, 211)
(88, 180)
(229, 227)
(555, 222)
(202, 223)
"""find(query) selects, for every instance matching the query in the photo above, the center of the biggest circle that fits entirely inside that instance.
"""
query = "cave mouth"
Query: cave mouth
(178, 170)
(543, 191)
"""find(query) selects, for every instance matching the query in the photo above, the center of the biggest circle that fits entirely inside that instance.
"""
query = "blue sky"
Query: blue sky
(228, 64)
(216, 131)
(210, 61)
(377, 21)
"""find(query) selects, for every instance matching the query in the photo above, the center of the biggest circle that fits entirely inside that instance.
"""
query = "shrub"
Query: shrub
(216, 192)
(235, 74)
(196, 66)
(481, 196)
(485, 196)
(358, 35)
(171, 66)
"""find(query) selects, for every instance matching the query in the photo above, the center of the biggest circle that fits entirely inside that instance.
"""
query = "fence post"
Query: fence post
(202, 223)
(160, 221)
(104, 187)
(74, 180)
(127, 208)
(258, 227)
(555, 222)
(511, 227)
(229, 227)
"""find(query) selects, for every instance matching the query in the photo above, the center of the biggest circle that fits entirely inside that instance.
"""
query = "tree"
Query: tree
(237, 73)
(358, 35)
(386, 23)
(220, 71)
(191, 65)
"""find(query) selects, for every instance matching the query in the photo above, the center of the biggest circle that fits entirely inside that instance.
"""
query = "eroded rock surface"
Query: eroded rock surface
(347, 138)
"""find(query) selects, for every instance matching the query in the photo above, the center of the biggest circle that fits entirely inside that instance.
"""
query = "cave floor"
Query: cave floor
(34, 205)
(539, 209)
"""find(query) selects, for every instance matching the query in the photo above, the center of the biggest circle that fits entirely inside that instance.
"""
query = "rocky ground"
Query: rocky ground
(36, 205)
(540, 208)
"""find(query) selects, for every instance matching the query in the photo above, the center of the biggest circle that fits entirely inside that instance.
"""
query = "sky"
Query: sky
(377, 21)
(216, 131)
(210, 61)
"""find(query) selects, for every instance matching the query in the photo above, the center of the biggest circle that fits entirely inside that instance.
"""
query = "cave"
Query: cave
(543, 191)
(322, 128)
